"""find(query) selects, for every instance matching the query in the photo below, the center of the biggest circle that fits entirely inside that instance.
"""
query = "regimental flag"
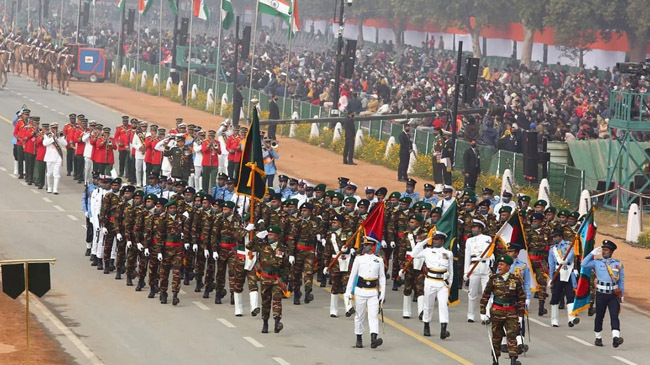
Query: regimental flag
(285, 9)
(120, 4)
(372, 226)
(511, 231)
(524, 257)
(200, 9)
(144, 5)
(251, 172)
(172, 5)
(584, 244)
(448, 224)
(227, 14)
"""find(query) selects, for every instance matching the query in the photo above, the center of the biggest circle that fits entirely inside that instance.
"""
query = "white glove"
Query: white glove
(521, 321)
(250, 227)
(326, 271)
(146, 252)
(352, 251)
(383, 244)
(86, 214)
(186, 214)
(262, 234)
(215, 256)
(527, 303)
(576, 272)
(465, 278)
(160, 257)
(187, 246)
(206, 253)
(323, 242)
(410, 236)
(622, 299)
(401, 273)
(140, 246)
(195, 247)
(129, 244)
(392, 244)
(597, 251)
(119, 236)
(292, 259)
(445, 276)
(333, 238)
(104, 230)
(318, 236)
(484, 318)
(261, 221)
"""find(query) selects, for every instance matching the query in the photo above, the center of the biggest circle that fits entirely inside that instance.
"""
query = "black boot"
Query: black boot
(175, 299)
(100, 264)
(599, 342)
(163, 297)
(93, 260)
(87, 252)
(504, 348)
(319, 276)
(199, 285)
(208, 289)
(278, 325)
(218, 295)
(232, 298)
(359, 343)
(265, 326)
(186, 277)
(129, 282)
(495, 360)
(542, 311)
(112, 265)
(308, 296)
(561, 303)
(395, 286)
(323, 282)
(591, 311)
(118, 274)
(350, 312)
(152, 292)
(513, 361)
(427, 330)
(443, 331)
(617, 341)
(375, 341)
(140, 285)
(107, 268)
(296, 296)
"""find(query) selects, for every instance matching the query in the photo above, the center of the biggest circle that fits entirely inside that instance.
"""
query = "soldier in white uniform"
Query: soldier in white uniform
(447, 200)
(565, 281)
(88, 150)
(474, 248)
(440, 271)
(198, 160)
(506, 201)
(368, 284)
(54, 142)
(96, 197)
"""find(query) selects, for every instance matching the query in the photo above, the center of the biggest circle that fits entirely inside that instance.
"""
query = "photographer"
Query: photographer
(269, 155)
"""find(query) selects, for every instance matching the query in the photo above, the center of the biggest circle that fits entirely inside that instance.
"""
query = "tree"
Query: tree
(531, 13)
(404, 12)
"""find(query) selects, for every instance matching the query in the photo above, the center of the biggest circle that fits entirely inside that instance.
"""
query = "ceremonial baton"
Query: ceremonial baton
(494, 354)
(383, 324)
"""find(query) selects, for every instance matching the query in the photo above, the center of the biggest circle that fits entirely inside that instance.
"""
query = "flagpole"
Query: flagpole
(60, 23)
(250, 83)
(218, 61)
(137, 58)
(160, 36)
(189, 59)
(94, 16)
(76, 39)
(29, 17)
(286, 82)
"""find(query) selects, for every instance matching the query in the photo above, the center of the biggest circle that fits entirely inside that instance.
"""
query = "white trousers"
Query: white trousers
(98, 243)
(363, 299)
(139, 171)
(435, 289)
(477, 283)
(54, 169)
(197, 177)
(88, 170)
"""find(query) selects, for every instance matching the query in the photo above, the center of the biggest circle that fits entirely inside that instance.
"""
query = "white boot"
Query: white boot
(420, 306)
(347, 302)
(555, 308)
(406, 307)
(15, 167)
(334, 305)
(573, 320)
(239, 308)
(255, 303)
(55, 187)
(48, 180)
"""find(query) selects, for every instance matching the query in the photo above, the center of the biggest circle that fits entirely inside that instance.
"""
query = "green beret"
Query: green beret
(541, 202)
(471, 199)
(320, 187)
(436, 210)
(426, 206)
(506, 259)
(405, 199)
(524, 198)
(550, 210)
(117, 181)
(469, 192)
(575, 215)
(229, 204)
(151, 197)
(293, 202)
(417, 216)
(417, 205)
(337, 195)
(271, 191)
(505, 209)
(139, 193)
(246, 217)
(329, 193)
(563, 212)
(274, 229)
(394, 194)
(172, 202)
(350, 200)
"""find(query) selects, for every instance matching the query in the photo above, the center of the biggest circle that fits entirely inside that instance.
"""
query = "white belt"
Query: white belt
(475, 259)
(606, 287)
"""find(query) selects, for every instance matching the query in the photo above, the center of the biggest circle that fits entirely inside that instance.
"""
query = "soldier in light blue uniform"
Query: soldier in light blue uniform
(218, 191)
(410, 190)
(343, 183)
(488, 194)
(291, 190)
(153, 187)
(229, 191)
(283, 186)
(610, 278)
(85, 207)
(566, 280)
(429, 196)
(520, 269)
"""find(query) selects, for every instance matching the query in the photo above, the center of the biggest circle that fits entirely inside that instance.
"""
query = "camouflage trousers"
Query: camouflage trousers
(210, 270)
(271, 296)
(304, 264)
(199, 264)
(143, 265)
(539, 270)
(509, 321)
(413, 282)
(252, 279)
(236, 274)
(108, 244)
(189, 257)
(339, 278)
(172, 258)
(399, 259)
(154, 270)
(226, 256)
(132, 256)
(121, 253)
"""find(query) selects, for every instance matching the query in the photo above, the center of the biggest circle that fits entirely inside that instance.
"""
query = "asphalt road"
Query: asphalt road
(100, 320)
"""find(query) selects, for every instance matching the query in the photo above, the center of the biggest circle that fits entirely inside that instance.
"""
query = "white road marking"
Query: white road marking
(539, 322)
(73, 217)
(83, 226)
(47, 200)
(226, 323)
(182, 292)
(281, 361)
(253, 342)
(92, 358)
(13, 176)
(202, 306)
(32, 100)
(623, 360)
(61, 113)
(52, 109)
(578, 340)
(3, 168)
(23, 183)
(38, 103)
(58, 208)
(35, 191)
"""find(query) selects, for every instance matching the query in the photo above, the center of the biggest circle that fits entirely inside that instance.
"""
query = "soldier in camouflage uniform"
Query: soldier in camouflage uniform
(110, 220)
(332, 206)
(273, 259)
(319, 199)
(226, 232)
(504, 215)
(206, 232)
(170, 250)
(508, 307)
(484, 214)
(412, 276)
(334, 242)
(140, 226)
(537, 238)
(125, 212)
(396, 230)
(524, 207)
(302, 244)
(152, 223)
(200, 236)
(186, 209)
(551, 221)
(133, 218)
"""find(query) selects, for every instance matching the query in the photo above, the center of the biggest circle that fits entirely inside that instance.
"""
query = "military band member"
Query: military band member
(475, 248)
(566, 280)
(54, 142)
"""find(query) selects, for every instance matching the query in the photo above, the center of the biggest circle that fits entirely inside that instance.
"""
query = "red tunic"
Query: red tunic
(69, 130)
(18, 129)
(210, 155)
(80, 144)
(40, 149)
(28, 134)
(120, 137)
(234, 153)
(149, 148)
(156, 156)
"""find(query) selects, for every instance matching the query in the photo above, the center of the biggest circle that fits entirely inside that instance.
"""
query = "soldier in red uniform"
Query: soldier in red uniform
(103, 152)
(120, 138)
(210, 163)
(39, 165)
(20, 151)
(69, 132)
(80, 145)
(153, 132)
(28, 136)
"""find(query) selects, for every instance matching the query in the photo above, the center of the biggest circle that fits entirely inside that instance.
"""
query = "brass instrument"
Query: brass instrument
(275, 144)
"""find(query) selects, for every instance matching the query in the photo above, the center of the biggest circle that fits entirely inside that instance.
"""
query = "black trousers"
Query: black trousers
(348, 150)
(69, 159)
(30, 160)
(561, 289)
(123, 155)
(79, 167)
(272, 130)
(606, 302)
(403, 167)
(130, 167)
(470, 181)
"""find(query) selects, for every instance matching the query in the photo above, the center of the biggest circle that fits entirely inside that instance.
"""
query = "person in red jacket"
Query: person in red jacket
(39, 165)
(153, 132)
(28, 136)
(104, 147)
(20, 151)
(210, 163)
(234, 147)
(130, 165)
(79, 151)
(69, 130)
(94, 136)
(157, 154)
(120, 139)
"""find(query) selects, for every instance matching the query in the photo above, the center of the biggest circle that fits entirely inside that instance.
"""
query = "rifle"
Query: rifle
(563, 259)
(494, 240)
(410, 261)
(347, 244)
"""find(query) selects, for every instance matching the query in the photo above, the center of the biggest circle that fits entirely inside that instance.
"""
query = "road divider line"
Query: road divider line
(281, 361)
(58, 208)
(624, 360)
(226, 323)
(253, 342)
(182, 292)
(539, 322)
(578, 340)
(202, 306)
(83, 226)
(35, 191)
(73, 217)
(46, 199)
(3, 168)
(23, 183)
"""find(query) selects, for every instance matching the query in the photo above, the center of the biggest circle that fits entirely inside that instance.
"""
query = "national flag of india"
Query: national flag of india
(285, 9)
(120, 4)
(201, 9)
(143, 6)
(227, 14)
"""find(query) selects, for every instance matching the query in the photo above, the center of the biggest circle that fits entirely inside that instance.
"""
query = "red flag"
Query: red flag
(373, 226)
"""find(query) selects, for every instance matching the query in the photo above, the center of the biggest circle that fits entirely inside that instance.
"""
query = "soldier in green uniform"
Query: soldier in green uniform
(397, 229)
(302, 244)
(438, 166)
(170, 251)
(109, 218)
(413, 276)
(508, 307)
(486, 216)
(140, 227)
(200, 236)
(188, 208)
(225, 235)
(319, 199)
(504, 214)
(152, 223)
(537, 238)
(539, 206)
(133, 220)
(524, 207)
(334, 242)
(125, 210)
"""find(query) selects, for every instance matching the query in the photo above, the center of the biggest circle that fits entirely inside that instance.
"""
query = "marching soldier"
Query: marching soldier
(125, 213)
(537, 238)
(486, 216)
(509, 300)
(109, 220)
(412, 275)
(28, 135)
(397, 229)
(524, 209)
(169, 251)
(140, 228)
(225, 235)
(521, 270)
(96, 219)
(565, 282)
(201, 230)
(152, 248)
(610, 290)
(133, 231)
(302, 244)
(334, 242)
(211, 150)
(54, 142)
(219, 190)
(475, 247)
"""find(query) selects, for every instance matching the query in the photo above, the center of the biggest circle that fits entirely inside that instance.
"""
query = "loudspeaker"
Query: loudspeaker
(349, 58)
(529, 144)
(530, 168)
(471, 77)
(85, 15)
(182, 39)
(130, 22)
(246, 42)
(185, 26)
(46, 9)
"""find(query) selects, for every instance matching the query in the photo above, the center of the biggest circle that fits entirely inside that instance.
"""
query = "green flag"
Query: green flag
(172, 5)
(448, 224)
(227, 14)
(251, 171)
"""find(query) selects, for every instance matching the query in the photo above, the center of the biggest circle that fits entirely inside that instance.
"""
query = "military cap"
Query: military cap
(350, 200)
(229, 204)
(189, 189)
(309, 188)
(180, 183)
(125, 117)
(274, 230)
(563, 213)
(505, 209)
(411, 182)
(208, 198)
(426, 206)
(550, 210)
(96, 175)
(505, 259)
(369, 189)
(139, 193)
(92, 123)
(172, 202)
(230, 181)
(36, 119)
(283, 178)
(320, 187)
(129, 188)
(343, 180)
(134, 120)
(116, 181)
(351, 185)
(45, 125)
(72, 115)
(307, 205)
(363, 203)
(506, 194)
(200, 194)
(26, 111)
(329, 193)
(541, 202)
(151, 197)
(417, 205)
(538, 216)
(286, 203)
(609, 244)
(469, 192)
(484, 203)
(80, 116)
(524, 198)
(367, 240)
(218, 202)
(428, 186)
(557, 232)
(447, 189)
(153, 176)
(55, 124)
(381, 191)
(405, 199)
(338, 218)
(106, 129)
(575, 215)
(436, 210)
(162, 201)
(417, 216)
(180, 136)
(471, 199)
(514, 246)
(211, 132)
(478, 223)
(440, 234)
(191, 126)
(394, 194)
(162, 131)
(153, 126)
(222, 176)
(293, 202)
(293, 181)
(337, 195)
(179, 120)
(270, 191)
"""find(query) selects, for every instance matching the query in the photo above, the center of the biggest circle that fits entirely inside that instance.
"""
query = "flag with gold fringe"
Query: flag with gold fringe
(583, 245)
(252, 178)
